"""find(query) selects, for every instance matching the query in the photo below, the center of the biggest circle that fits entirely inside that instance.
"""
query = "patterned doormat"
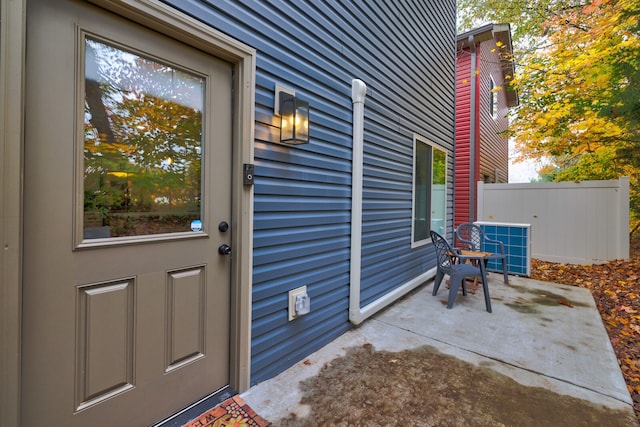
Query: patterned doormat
(232, 412)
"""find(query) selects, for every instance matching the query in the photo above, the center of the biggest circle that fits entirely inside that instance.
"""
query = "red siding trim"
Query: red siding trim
(491, 150)
(463, 135)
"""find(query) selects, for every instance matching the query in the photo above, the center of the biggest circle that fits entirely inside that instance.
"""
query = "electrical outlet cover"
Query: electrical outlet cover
(302, 290)
(303, 304)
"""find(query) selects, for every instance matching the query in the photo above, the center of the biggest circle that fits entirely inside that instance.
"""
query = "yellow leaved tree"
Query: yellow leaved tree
(578, 78)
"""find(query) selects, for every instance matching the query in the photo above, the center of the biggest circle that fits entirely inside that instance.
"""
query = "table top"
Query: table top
(475, 253)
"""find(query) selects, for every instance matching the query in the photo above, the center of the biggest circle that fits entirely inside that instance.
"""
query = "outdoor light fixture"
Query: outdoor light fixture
(294, 119)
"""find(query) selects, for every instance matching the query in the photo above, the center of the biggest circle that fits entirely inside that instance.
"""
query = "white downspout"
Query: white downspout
(472, 129)
(356, 314)
(358, 93)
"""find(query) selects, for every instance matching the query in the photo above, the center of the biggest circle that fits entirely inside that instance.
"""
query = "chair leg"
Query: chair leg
(437, 281)
(487, 299)
(454, 284)
(504, 269)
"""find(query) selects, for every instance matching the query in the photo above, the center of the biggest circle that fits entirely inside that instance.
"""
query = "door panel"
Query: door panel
(126, 299)
(185, 314)
(105, 358)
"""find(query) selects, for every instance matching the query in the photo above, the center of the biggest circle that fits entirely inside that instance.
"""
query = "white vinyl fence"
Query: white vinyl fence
(572, 222)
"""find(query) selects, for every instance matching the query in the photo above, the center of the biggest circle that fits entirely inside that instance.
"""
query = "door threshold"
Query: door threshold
(195, 409)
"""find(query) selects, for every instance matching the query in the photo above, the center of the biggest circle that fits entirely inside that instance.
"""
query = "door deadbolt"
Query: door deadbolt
(223, 226)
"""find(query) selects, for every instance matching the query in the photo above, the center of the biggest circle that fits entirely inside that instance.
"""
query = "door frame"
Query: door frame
(173, 23)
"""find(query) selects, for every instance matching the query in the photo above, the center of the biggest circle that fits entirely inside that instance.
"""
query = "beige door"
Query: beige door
(127, 193)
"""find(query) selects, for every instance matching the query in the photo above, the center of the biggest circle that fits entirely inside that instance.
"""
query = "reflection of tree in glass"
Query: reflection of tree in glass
(143, 133)
(439, 167)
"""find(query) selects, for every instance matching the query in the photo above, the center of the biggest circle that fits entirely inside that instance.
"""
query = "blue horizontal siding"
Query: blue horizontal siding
(297, 157)
(274, 355)
(269, 288)
(280, 253)
(300, 219)
(405, 52)
(287, 188)
(322, 287)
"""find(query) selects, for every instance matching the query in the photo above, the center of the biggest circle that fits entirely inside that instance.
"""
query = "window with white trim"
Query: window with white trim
(493, 99)
(429, 190)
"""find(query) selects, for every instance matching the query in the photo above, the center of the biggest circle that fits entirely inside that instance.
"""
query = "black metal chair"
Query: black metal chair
(448, 258)
(473, 238)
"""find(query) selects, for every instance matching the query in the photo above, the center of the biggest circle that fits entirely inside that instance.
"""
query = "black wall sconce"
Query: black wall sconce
(294, 119)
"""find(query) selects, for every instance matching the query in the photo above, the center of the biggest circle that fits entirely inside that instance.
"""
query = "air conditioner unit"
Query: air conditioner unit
(516, 239)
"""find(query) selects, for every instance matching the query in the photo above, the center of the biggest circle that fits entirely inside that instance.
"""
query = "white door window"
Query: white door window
(143, 140)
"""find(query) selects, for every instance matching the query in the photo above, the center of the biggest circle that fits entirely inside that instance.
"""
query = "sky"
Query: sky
(521, 171)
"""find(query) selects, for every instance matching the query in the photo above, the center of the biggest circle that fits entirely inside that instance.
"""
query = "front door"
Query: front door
(127, 208)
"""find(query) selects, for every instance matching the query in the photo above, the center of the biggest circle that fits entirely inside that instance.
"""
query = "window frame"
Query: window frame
(418, 139)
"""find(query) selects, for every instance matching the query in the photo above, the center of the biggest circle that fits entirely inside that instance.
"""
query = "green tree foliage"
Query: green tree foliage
(578, 77)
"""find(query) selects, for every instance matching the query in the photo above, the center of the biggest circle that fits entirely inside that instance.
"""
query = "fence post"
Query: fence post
(480, 202)
(623, 218)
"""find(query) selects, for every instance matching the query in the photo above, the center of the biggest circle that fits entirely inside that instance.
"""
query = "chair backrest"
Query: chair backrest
(443, 252)
(470, 235)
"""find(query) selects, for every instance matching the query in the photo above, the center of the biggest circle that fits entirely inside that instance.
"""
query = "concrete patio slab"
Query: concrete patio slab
(539, 334)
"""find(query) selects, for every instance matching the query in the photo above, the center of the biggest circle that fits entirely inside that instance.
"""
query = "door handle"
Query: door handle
(224, 250)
